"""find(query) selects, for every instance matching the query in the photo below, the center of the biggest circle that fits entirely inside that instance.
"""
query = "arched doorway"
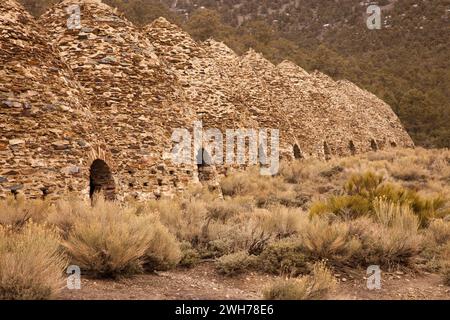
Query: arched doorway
(373, 145)
(101, 180)
(351, 146)
(204, 165)
(297, 152)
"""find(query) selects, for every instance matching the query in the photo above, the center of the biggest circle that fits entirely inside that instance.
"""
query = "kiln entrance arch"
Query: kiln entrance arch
(297, 152)
(204, 165)
(101, 180)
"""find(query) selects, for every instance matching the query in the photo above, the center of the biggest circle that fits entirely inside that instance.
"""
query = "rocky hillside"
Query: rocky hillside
(406, 63)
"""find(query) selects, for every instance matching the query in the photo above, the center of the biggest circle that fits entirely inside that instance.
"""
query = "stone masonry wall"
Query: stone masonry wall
(93, 107)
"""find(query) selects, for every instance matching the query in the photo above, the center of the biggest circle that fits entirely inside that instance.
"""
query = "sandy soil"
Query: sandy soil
(202, 282)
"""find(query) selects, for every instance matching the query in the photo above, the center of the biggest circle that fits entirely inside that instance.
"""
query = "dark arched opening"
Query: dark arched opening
(297, 152)
(101, 180)
(204, 165)
(373, 145)
(352, 147)
(393, 144)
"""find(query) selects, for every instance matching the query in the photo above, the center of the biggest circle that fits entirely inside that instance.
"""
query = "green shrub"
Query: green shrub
(362, 190)
(365, 184)
(350, 206)
(312, 287)
(235, 263)
(283, 257)
(31, 263)
(189, 256)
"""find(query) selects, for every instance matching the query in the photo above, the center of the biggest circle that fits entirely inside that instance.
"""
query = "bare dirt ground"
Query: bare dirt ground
(203, 282)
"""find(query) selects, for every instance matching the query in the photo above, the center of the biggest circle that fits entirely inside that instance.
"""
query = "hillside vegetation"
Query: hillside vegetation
(406, 63)
(315, 219)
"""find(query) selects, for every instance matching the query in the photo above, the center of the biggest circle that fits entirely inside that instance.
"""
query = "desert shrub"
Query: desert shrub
(438, 232)
(66, 212)
(283, 257)
(316, 286)
(16, 212)
(251, 183)
(282, 222)
(194, 221)
(217, 248)
(189, 256)
(445, 264)
(408, 172)
(390, 239)
(233, 185)
(320, 239)
(223, 210)
(235, 263)
(169, 210)
(31, 263)
(163, 251)
(446, 275)
(365, 184)
(350, 206)
(361, 190)
(424, 208)
(109, 240)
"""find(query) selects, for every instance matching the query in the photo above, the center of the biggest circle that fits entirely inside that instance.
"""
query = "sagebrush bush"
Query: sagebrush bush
(170, 212)
(66, 212)
(283, 222)
(109, 240)
(391, 238)
(446, 275)
(16, 212)
(445, 264)
(438, 232)
(350, 206)
(163, 251)
(31, 263)
(321, 239)
(316, 286)
(283, 257)
(361, 190)
(189, 256)
(235, 263)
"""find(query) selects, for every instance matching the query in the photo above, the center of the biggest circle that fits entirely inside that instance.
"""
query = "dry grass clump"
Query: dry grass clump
(235, 263)
(391, 238)
(316, 286)
(439, 232)
(16, 212)
(109, 240)
(163, 251)
(66, 212)
(170, 212)
(321, 238)
(31, 263)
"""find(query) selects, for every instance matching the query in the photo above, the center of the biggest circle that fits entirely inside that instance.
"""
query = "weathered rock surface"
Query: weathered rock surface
(46, 123)
(135, 98)
(93, 107)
